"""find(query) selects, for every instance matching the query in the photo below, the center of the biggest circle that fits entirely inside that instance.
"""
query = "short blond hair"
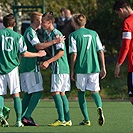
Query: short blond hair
(34, 16)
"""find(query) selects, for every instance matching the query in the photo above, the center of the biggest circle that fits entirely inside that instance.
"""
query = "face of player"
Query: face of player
(38, 22)
(122, 13)
(45, 24)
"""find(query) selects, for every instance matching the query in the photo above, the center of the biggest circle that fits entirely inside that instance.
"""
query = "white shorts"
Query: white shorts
(11, 80)
(60, 82)
(88, 82)
(31, 82)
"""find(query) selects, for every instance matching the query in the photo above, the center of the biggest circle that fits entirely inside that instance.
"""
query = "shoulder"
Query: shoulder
(57, 32)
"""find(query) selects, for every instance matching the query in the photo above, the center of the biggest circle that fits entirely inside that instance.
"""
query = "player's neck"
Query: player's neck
(34, 26)
(10, 28)
(50, 28)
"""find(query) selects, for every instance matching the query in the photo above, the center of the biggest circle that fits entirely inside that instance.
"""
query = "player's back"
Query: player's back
(86, 48)
(9, 49)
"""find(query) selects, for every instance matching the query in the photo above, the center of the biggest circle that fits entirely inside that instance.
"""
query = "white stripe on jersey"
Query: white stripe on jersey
(22, 47)
(99, 44)
(126, 35)
(59, 46)
(73, 48)
(34, 41)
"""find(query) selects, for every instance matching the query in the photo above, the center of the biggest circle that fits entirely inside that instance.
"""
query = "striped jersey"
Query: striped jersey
(60, 66)
(31, 39)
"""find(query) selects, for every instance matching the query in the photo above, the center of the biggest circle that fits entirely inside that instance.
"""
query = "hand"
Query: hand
(59, 39)
(44, 65)
(117, 71)
(102, 73)
(72, 76)
(41, 53)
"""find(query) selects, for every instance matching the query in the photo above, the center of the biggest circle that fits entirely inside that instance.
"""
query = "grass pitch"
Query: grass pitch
(118, 118)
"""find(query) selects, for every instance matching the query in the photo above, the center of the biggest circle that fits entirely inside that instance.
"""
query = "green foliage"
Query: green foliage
(99, 13)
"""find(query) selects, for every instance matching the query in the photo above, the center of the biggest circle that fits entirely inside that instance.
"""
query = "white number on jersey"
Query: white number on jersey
(89, 40)
(5, 44)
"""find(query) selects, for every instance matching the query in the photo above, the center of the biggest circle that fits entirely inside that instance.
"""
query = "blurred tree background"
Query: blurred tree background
(100, 17)
(99, 13)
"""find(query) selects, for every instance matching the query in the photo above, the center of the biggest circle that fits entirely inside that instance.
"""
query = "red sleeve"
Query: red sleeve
(124, 50)
(126, 39)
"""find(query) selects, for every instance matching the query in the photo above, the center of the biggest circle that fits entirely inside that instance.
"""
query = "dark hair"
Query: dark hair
(120, 4)
(9, 20)
(49, 16)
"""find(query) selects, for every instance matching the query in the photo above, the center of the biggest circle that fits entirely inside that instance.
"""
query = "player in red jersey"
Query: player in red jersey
(123, 9)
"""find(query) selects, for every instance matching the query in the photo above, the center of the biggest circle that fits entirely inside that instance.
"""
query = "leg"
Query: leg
(66, 109)
(33, 103)
(34, 100)
(25, 102)
(59, 106)
(18, 109)
(83, 108)
(98, 102)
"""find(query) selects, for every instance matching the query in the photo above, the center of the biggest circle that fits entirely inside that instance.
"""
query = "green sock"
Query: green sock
(33, 103)
(83, 105)
(97, 99)
(25, 102)
(59, 106)
(18, 107)
(5, 110)
(1, 104)
(66, 107)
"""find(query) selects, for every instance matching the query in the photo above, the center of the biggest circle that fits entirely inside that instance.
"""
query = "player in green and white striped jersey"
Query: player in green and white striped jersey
(11, 45)
(84, 47)
(29, 69)
(60, 72)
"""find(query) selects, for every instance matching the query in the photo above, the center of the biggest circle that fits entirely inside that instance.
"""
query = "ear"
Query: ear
(121, 9)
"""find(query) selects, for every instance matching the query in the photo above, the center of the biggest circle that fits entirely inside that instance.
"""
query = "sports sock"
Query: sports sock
(33, 103)
(18, 107)
(5, 110)
(59, 106)
(97, 99)
(66, 107)
(25, 102)
(83, 105)
(1, 104)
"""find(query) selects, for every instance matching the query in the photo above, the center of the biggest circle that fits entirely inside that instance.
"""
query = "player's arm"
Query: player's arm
(126, 39)
(102, 63)
(44, 45)
(73, 61)
(40, 53)
(45, 64)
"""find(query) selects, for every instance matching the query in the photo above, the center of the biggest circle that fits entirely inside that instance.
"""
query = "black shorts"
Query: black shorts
(130, 84)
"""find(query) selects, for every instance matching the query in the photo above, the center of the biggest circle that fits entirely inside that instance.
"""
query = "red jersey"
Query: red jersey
(127, 43)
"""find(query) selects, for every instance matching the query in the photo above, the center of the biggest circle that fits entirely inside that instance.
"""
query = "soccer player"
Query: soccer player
(11, 45)
(84, 45)
(60, 72)
(123, 9)
(30, 76)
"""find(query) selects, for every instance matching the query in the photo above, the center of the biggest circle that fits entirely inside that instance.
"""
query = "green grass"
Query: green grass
(117, 113)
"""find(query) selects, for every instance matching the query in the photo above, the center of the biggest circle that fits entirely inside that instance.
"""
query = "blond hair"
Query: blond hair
(34, 16)
(79, 19)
